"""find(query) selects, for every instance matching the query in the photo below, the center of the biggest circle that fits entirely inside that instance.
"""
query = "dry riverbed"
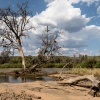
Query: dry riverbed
(43, 90)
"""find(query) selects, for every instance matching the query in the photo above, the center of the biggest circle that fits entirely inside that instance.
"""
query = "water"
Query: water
(8, 69)
(54, 70)
(17, 79)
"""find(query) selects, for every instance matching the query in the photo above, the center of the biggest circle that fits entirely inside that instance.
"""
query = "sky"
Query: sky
(77, 20)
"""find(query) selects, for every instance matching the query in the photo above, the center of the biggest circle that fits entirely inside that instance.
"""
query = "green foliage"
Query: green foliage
(56, 61)
(4, 59)
(8, 65)
(89, 63)
(97, 65)
(56, 65)
(84, 64)
(15, 60)
(28, 65)
(50, 65)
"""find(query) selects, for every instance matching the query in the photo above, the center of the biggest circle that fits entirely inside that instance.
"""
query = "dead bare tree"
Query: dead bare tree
(49, 47)
(15, 28)
(95, 83)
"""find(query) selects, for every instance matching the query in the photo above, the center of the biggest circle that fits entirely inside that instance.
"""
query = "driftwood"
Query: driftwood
(63, 69)
(95, 87)
(33, 68)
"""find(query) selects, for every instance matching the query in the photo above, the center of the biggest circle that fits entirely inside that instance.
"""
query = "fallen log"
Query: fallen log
(95, 87)
(33, 68)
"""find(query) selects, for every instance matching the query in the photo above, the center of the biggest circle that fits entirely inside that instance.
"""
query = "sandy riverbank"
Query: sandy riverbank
(43, 90)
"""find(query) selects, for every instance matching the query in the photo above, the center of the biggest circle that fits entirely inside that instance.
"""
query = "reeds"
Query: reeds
(84, 71)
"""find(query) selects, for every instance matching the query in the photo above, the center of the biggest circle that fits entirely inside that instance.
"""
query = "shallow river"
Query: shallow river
(16, 79)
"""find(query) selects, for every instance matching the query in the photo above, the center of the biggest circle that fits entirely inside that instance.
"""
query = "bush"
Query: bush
(97, 65)
(89, 63)
(75, 65)
(28, 65)
(56, 65)
(59, 65)
(84, 64)
(50, 65)
(8, 65)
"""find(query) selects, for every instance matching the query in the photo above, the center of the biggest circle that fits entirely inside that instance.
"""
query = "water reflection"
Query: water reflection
(4, 79)
(16, 79)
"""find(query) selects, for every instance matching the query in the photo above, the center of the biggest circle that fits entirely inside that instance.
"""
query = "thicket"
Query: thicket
(56, 61)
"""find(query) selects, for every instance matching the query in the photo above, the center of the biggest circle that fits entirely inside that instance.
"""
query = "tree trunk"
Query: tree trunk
(63, 69)
(23, 58)
(75, 80)
(32, 69)
(21, 53)
(95, 88)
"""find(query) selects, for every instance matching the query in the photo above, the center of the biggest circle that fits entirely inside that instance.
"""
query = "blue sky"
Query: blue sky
(34, 5)
(79, 20)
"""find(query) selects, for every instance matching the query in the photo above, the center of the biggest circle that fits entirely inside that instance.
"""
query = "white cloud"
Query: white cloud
(80, 40)
(60, 14)
(89, 2)
(92, 31)
(48, 1)
(63, 15)
(71, 1)
(98, 10)
(74, 1)
(86, 52)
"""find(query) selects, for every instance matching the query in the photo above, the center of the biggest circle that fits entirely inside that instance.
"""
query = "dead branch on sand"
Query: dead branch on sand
(95, 88)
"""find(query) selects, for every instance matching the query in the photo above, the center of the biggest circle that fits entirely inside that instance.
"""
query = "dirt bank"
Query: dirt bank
(43, 90)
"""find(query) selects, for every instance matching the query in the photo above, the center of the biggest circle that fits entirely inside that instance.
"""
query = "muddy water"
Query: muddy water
(17, 79)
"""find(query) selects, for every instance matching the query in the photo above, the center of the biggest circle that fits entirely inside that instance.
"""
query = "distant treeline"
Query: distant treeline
(82, 61)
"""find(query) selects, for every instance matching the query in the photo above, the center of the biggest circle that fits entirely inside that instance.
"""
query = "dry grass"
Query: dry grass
(83, 71)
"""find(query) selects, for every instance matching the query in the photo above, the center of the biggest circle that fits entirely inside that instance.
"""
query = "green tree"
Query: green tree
(4, 57)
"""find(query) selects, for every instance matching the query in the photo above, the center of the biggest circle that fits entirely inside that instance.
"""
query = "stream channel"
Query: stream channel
(21, 79)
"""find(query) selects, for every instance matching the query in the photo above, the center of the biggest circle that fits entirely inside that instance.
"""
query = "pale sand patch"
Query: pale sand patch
(50, 90)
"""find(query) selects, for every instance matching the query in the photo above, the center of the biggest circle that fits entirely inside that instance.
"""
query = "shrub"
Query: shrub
(89, 63)
(50, 65)
(28, 65)
(84, 64)
(10, 65)
(59, 65)
(56, 65)
(97, 65)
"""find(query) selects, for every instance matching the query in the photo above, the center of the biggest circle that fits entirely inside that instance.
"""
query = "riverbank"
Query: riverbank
(44, 90)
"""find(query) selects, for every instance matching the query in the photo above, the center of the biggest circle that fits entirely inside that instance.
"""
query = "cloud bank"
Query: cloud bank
(62, 15)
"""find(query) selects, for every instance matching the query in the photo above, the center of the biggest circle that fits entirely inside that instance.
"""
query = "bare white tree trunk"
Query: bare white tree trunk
(75, 80)
(15, 28)
(95, 88)
(62, 70)
(23, 58)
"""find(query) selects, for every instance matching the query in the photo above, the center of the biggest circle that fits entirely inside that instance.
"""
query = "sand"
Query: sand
(43, 90)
